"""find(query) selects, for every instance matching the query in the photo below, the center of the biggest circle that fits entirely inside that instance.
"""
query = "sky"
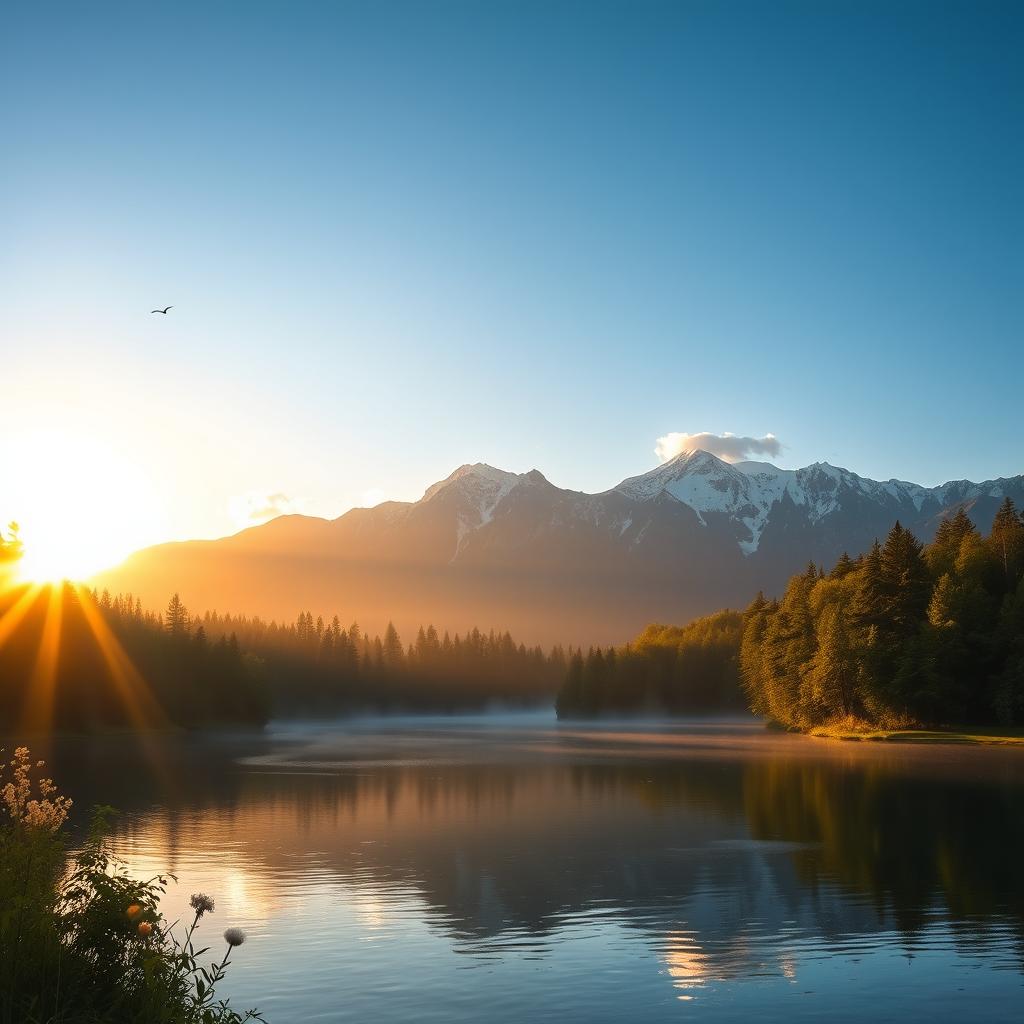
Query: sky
(399, 237)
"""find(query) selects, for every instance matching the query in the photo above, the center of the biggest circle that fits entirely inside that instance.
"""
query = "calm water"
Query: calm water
(510, 869)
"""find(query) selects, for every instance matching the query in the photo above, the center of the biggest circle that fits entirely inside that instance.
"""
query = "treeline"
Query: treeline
(679, 669)
(71, 660)
(902, 635)
(317, 666)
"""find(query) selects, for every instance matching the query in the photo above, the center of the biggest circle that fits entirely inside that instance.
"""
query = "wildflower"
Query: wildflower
(234, 936)
(134, 910)
(145, 929)
(16, 796)
(201, 903)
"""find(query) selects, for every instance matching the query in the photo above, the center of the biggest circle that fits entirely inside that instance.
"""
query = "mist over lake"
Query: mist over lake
(512, 513)
(444, 868)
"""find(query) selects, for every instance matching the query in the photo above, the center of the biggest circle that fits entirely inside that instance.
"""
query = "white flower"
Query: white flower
(201, 903)
(234, 936)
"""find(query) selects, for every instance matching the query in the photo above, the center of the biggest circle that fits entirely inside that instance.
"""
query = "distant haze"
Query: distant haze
(493, 549)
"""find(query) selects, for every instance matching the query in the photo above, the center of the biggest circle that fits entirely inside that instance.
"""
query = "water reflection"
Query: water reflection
(589, 873)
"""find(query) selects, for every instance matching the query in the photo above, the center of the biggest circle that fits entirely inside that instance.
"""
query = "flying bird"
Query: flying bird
(164, 311)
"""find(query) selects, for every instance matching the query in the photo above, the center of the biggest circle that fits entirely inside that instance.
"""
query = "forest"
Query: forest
(904, 635)
(71, 661)
(689, 669)
(313, 666)
(72, 658)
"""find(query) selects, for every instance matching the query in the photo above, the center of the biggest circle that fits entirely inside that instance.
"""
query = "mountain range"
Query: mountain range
(512, 551)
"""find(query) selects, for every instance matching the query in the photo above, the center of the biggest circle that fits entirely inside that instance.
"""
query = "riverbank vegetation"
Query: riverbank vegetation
(978, 735)
(82, 942)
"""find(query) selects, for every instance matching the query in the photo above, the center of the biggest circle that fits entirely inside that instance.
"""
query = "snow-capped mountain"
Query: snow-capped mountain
(747, 492)
(511, 550)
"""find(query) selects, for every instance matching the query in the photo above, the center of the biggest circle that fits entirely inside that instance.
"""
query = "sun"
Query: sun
(80, 506)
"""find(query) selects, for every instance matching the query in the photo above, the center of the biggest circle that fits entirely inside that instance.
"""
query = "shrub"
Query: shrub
(82, 942)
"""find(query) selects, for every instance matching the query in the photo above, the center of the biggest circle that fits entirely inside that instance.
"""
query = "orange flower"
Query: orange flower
(134, 910)
(145, 929)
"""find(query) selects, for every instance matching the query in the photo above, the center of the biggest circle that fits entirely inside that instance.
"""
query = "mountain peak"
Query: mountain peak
(473, 474)
(491, 546)
(681, 476)
(695, 460)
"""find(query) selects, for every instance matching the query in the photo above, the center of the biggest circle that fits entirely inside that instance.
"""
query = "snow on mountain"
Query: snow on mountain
(478, 479)
(478, 489)
(747, 492)
(744, 493)
(740, 498)
(484, 546)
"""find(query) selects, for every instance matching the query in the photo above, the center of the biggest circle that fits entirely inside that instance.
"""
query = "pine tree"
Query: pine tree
(833, 670)
(1007, 542)
(843, 567)
(1008, 696)
(752, 676)
(176, 617)
(905, 582)
(433, 644)
(866, 606)
(949, 537)
(392, 651)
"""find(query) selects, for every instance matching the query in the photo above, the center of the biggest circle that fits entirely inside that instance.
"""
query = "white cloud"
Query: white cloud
(256, 507)
(728, 447)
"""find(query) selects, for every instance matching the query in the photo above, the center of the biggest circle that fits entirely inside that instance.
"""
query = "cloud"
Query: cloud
(257, 507)
(728, 447)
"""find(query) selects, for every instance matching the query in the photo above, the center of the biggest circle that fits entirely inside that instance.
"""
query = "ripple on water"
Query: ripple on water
(526, 873)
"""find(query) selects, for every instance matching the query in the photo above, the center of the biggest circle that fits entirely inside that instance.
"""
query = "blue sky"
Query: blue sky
(399, 237)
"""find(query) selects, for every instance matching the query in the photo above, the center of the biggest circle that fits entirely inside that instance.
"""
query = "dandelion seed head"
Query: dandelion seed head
(234, 936)
(145, 928)
(201, 903)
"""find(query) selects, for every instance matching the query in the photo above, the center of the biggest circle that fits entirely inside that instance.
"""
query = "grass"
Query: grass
(978, 735)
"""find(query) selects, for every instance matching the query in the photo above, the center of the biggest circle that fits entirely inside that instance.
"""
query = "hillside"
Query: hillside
(487, 547)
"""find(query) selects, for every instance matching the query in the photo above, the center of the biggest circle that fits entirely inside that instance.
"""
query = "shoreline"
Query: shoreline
(969, 735)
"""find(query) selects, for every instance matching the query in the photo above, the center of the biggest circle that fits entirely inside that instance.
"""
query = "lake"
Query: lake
(511, 868)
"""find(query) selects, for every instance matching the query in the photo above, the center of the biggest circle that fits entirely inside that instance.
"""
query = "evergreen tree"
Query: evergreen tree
(833, 671)
(903, 634)
(392, 653)
(176, 617)
(1007, 543)
(905, 582)
(843, 567)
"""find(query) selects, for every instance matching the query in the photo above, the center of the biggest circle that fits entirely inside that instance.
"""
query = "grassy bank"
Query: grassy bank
(992, 736)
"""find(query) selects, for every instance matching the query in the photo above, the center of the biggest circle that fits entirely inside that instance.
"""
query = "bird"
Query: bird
(164, 311)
